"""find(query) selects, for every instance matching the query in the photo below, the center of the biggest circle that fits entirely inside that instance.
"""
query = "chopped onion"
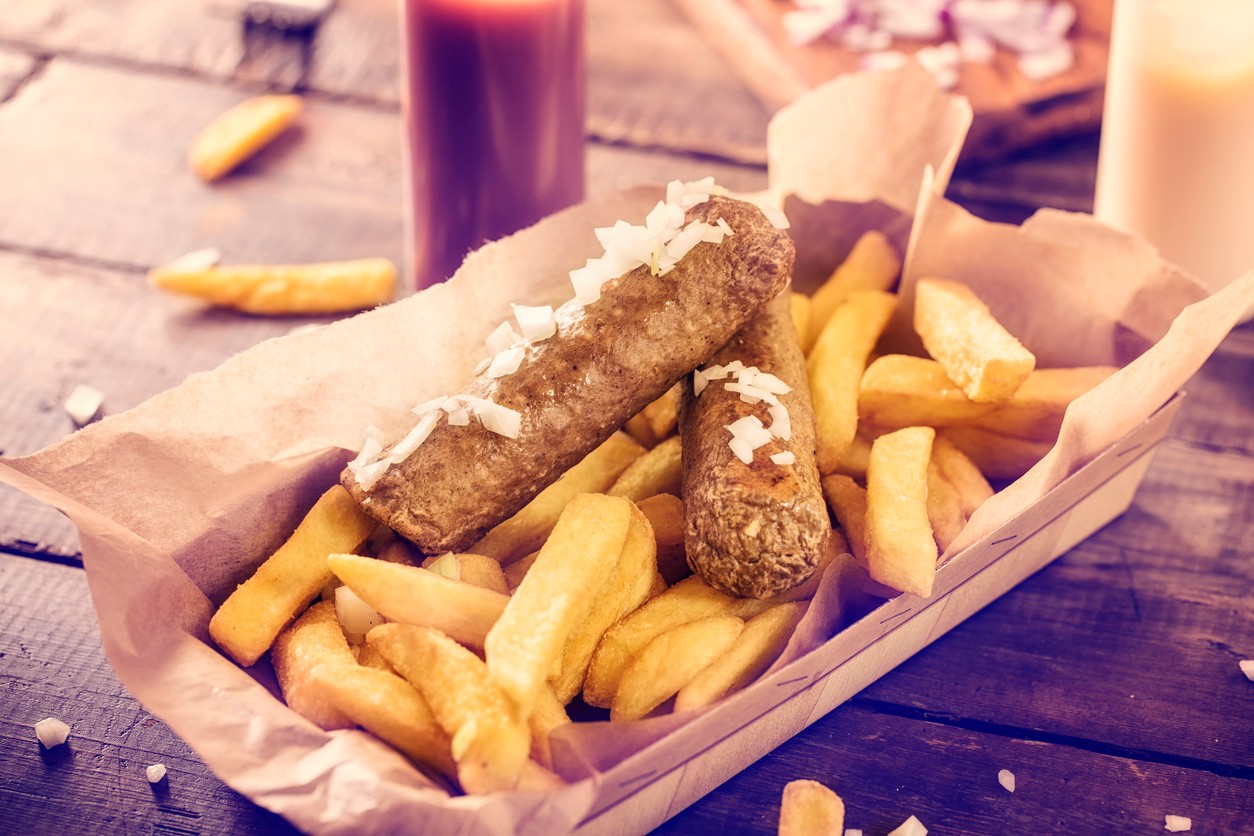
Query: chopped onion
(781, 424)
(370, 448)
(426, 406)
(83, 405)
(751, 430)
(742, 449)
(1178, 824)
(1007, 780)
(699, 382)
(458, 417)
(414, 438)
(785, 458)
(776, 217)
(771, 383)
(910, 827)
(502, 338)
(51, 732)
(355, 615)
(537, 323)
(368, 475)
(751, 394)
(507, 361)
(725, 226)
(499, 419)
(1247, 668)
(1047, 63)
(448, 566)
(155, 773)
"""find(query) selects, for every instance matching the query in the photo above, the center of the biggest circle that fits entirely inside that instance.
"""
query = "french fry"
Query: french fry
(240, 132)
(526, 531)
(1001, 457)
(872, 264)
(525, 645)
(961, 333)
(516, 571)
(901, 552)
(474, 569)
(857, 455)
(419, 596)
(765, 636)
(370, 657)
(898, 390)
(962, 473)
(310, 643)
(688, 600)
(670, 661)
(848, 503)
(249, 620)
(666, 517)
(548, 714)
(392, 710)
(489, 741)
(808, 808)
(944, 507)
(1036, 409)
(624, 591)
(663, 414)
(835, 368)
(799, 306)
(657, 471)
(328, 287)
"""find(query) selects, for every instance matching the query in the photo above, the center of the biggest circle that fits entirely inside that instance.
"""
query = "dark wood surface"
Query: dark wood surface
(1108, 682)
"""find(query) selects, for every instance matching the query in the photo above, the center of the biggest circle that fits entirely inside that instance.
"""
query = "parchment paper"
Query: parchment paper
(177, 500)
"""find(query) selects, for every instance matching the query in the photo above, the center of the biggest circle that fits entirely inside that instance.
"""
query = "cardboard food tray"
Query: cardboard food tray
(178, 500)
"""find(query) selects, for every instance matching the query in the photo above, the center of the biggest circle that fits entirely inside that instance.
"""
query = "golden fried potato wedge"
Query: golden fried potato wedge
(666, 517)
(847, 499)
(240, 132)
(808, 808)
(962, 473)
(526, 531)
(627, 587)
(944, 507)
(901, 551)
(249, 620)
(899, 390)
(525, 645)
(657, 471)
(474, 569)
(835, 367)
(392, 710)
(670, 661)
(310, 643)
(420, 596)
(489, 741)
(281, 289)
(765, 636)
(1036, 409)
(1000, 457)
(977, 353)
(872, 264)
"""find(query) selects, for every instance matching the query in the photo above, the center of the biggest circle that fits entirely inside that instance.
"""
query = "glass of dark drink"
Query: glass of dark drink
(493, 105)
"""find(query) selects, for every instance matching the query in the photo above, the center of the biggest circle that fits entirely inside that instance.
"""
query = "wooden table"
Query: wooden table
(1108, 683)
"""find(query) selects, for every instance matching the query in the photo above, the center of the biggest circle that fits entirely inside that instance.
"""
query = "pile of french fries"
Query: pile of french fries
(467, 663)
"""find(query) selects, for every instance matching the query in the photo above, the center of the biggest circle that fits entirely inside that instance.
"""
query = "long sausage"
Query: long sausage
(608, 360)
(756, 529)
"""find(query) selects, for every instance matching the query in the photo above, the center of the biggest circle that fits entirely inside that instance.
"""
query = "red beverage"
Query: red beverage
(493, 101)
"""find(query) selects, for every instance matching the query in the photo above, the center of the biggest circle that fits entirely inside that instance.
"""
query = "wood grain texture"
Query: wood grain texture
(51, 664)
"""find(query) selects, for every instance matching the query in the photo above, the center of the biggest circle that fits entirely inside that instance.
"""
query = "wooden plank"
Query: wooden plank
(51, 664)
(133, 200)
(886, 766)
(1131, 639)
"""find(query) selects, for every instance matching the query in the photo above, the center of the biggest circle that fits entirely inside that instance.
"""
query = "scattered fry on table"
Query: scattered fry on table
(809, 808)
(281, 289)
(239, 133)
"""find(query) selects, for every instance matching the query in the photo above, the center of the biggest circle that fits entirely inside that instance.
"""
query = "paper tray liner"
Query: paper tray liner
(177, 500)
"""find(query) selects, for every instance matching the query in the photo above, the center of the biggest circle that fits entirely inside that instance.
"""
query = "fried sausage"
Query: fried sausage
(607, 361)
(753, 530)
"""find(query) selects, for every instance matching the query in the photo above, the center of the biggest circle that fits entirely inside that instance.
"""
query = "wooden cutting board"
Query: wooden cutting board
(1012, 112)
